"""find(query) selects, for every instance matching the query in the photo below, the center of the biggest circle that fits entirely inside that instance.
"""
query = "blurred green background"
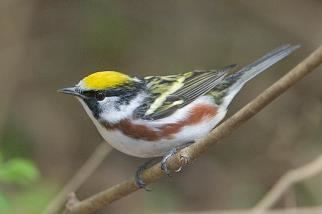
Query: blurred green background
(46, 45)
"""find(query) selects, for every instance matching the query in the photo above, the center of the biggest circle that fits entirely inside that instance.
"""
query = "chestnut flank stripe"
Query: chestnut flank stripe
(138, 131)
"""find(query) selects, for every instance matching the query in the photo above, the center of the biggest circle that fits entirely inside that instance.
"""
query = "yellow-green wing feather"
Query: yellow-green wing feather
(168, 93)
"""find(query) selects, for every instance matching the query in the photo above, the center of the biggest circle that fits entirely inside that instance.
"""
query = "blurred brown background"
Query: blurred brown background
(46, 45)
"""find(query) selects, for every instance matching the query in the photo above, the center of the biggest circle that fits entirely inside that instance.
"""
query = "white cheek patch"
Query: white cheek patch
(108, 104)
(113, 112)
(108, 100)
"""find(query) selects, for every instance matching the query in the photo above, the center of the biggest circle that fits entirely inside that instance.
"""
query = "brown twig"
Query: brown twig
(96, 158)
(154, 173)
(289, 179)
(286, 181)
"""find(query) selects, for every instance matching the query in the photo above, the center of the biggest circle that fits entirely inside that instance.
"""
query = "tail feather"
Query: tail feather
(236, 80)
(260, 65)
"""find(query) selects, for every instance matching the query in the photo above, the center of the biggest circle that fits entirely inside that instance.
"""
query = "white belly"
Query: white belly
(146, 149)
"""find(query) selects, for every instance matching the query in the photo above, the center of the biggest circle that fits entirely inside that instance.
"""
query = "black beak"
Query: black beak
(70, 90)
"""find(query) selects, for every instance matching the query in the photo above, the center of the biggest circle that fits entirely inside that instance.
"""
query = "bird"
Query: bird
(155, 116)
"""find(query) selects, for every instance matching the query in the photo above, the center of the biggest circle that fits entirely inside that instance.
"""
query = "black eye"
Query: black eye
(99, 96)
(88, 93)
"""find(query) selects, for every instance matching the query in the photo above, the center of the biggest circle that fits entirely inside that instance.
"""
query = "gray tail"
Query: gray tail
(236, 80)
(242, 76)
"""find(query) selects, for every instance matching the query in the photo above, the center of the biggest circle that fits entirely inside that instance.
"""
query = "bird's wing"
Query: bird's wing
(169, 93)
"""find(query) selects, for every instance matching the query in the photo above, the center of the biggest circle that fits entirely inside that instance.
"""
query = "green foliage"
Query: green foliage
(33, 199)
(18, 171)
(15, 171)
(4, 204)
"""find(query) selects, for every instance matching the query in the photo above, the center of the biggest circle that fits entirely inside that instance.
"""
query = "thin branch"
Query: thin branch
(289, 179)
(96, 158)
(286, 181)
(154, 173)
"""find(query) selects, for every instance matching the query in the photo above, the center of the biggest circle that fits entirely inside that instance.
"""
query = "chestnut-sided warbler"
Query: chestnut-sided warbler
(152, 116)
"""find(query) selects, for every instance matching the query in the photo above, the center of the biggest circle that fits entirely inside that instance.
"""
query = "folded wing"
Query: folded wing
(169, 93)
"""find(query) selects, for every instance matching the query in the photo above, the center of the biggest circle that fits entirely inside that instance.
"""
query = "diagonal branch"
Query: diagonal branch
(154, 173)
(287, 180)
(100, 153)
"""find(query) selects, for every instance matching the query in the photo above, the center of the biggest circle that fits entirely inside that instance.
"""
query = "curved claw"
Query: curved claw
(138, 180)
(164, 165)
(140, 183)
(184, 161)
(179, 169)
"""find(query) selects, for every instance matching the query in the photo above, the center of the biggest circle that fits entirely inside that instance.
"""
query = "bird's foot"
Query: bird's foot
(138, 179)
(184, 160)
(164, 164)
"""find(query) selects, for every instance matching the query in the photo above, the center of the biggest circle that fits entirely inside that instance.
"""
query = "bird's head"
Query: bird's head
(106, 92)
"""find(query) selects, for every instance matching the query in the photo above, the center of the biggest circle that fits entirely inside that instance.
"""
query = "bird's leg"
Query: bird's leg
(138, 180)
(173, 151)
(164, 167)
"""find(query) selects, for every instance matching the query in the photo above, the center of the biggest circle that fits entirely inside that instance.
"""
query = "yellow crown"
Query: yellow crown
(103, 80)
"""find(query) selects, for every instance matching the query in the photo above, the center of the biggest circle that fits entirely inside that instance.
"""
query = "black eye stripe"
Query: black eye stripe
(112, 93)
(123, 91)
(88, 93)
(100, 96)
